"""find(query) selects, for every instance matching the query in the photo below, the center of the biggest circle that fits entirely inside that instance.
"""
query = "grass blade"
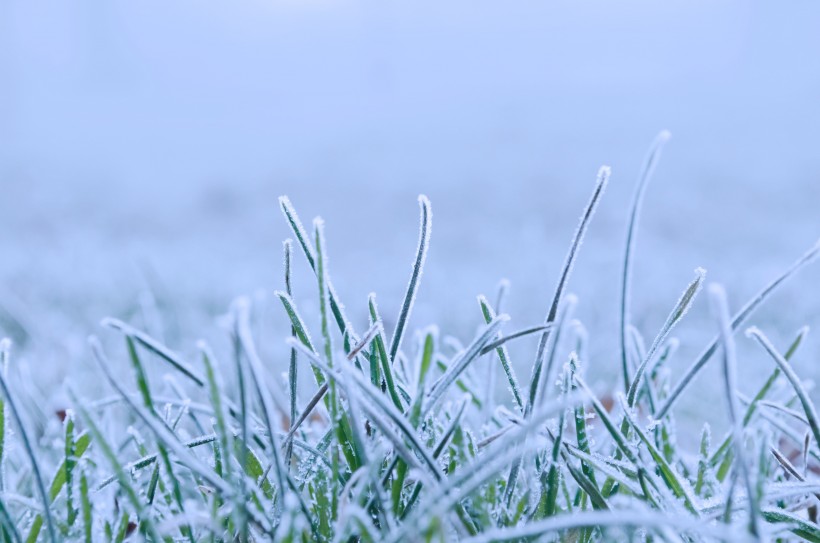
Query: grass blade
(307, 248)
(155, 347)
(680, 310)
(720, 307)
(462, 361)
(293, 368)
(737, 320)
(11, 402)
(503, 355)
(552, 314)
(786, 368)
(163, 434)
(647, 170)
(146, 522)
(426, 222)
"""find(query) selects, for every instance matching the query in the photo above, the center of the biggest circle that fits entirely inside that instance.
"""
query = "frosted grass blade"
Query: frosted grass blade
(304, 241)
(720, 307)
(503, 355)
(426, 222)
(606, 519)
(381, 351)
(293, 368)
(647, 170)
(462, 361)
(737, 320)
(680, 310)
(161, 431)
(552, 314)
(11, 402)
(786, 368)
(155, 347)
(146, 521)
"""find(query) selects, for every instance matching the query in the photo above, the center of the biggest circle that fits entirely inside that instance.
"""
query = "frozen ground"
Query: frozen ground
(143, 146)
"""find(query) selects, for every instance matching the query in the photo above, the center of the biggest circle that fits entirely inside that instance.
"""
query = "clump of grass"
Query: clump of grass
(397, 439)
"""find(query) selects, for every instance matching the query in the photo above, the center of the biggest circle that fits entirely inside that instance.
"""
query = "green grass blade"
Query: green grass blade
(503, 355)
(87, 509)
(461, 363)
(293, 367)
(262, 392)
(384, 358)
(679, 311)
(160, 430)
(798, 526)
(10, 532)
(304, 242)
(678, 487)
(794, 380)
(609, 424)
(737, 320)
(124, 479)
(156, 348)
(426, 222)
(215, 392)
(5, 345)
(724, 450)
(552, 314)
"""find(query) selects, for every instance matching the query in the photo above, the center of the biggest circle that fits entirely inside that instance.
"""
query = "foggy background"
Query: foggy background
(143, 146)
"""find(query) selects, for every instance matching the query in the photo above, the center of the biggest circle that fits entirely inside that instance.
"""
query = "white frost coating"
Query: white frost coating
(611, 520)
(425, 228)
(537, 379)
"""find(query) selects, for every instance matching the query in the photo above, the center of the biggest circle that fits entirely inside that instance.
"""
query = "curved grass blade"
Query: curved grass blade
(737, 320)
(10, 531)
(648, 168)
(515, 335)
(678, 487)
(304, 241)
(798, 526)
(503, 355)
(10, 401)
(680, 310)
(458, 366)
(155, 347)
(724, 448)
(426, 222)
(786, 368)
(552, 314)
(720, 307)
(300, 329)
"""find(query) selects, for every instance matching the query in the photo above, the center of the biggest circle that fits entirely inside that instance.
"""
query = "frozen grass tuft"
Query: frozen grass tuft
(403, 437)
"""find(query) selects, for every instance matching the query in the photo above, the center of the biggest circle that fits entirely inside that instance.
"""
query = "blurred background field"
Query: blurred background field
(143, 146)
